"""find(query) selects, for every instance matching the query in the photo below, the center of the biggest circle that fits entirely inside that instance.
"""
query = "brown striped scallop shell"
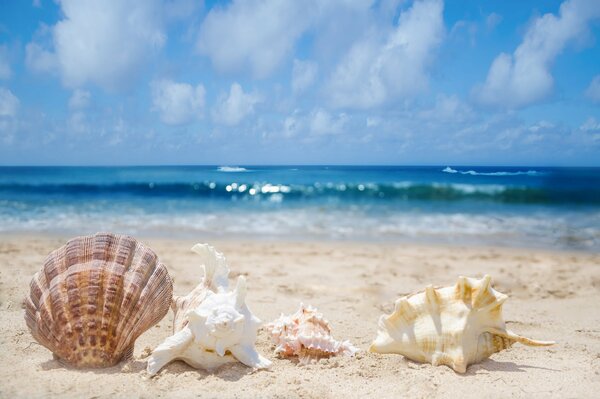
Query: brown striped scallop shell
(95, 296)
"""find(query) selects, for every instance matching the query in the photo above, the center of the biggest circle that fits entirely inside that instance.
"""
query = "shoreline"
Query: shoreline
(287, 240)
(552, 296)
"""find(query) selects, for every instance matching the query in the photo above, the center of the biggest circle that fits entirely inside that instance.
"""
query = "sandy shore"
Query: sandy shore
(553, 295)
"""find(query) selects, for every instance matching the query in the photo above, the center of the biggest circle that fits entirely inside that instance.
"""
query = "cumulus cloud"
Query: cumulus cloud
(303, 75)
(9, 103)
(382, 67)
(231, 109)
(522, 78)
(252, 34)
(103, 43)
(177, 103)
(593, 90)
(5, 70)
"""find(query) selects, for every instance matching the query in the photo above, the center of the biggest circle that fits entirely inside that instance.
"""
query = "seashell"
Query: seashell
(306, 334)
(95, 296)
(454, 326)
(212, 326)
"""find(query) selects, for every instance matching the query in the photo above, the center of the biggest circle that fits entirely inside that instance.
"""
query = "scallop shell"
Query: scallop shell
(95, 296)
(454, 326)
(212, 325)
(306, 334)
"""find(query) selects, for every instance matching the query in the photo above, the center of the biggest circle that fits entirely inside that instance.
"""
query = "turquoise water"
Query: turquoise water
(540, 207)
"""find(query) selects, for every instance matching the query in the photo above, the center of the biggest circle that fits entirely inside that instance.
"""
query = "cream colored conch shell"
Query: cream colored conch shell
(94, 296)
(306, 334)
(212, 325)
(454, 326)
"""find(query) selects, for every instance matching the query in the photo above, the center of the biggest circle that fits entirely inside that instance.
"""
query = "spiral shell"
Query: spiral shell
(453, 326)
(306, 334)
(95, 296)
(212, 325)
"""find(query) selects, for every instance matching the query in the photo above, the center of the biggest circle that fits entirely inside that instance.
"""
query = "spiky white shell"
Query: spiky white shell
(212, 326)
(454, 326)
(306, 334)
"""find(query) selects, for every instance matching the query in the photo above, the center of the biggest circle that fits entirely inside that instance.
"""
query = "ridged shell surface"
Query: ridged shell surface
(95, 296)
(306, 334)
(454, 326)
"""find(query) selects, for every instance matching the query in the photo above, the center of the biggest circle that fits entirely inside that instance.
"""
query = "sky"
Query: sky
(246, 82)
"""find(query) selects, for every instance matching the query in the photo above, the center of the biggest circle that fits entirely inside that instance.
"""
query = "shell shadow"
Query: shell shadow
(495, 365)
(132, 366)
(227, 372)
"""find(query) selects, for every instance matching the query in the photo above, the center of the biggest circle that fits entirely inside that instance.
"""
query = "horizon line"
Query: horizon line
(292, 165)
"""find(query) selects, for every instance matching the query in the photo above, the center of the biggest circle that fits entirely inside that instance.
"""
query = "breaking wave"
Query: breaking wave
(315, 192)
(448, 169)
(231, 169)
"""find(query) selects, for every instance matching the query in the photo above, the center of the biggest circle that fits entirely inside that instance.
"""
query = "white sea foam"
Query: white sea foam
(231, 169)
(568, 230)
(448, 169)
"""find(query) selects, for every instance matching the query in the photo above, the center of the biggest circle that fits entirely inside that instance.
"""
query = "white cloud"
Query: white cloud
(379, 67)
(492, 21)
(9, 103)
(181, 9)
(448, 109)
(291, 125)
(593, 90)
(5, 71)
(233, 108)
(104, 43)
(590, 125)
(37, 3)
(373, 121)
(303, 75)
(522, 78)
(252, 34)
(9, 107)
(321, 122)
(177, 103)
(541, 125)
(78, 123)
(79, 99)
(40, 60)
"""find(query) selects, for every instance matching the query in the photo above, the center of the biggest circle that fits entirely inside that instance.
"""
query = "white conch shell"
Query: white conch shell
(306, 334)
(212, 326)
(454, 326)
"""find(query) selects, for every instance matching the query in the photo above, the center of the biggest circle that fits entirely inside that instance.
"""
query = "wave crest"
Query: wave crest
(448, 169)
(231, 169)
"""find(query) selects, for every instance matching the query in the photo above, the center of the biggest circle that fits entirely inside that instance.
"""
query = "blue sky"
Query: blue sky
(300, 82)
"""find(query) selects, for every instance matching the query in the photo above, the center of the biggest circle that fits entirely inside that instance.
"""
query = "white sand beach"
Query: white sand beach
(553, 296)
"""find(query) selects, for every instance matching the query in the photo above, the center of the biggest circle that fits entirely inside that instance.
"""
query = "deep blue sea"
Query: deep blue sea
(508, 206)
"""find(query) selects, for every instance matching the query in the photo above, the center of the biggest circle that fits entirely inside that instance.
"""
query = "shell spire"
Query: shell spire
(454, 326)
(215, 277)
(94, 296)
(212, 324)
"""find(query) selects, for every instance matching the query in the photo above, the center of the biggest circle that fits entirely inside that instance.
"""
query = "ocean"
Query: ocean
(506, 206)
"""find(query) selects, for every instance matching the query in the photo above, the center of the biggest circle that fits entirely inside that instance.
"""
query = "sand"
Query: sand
(553, 295)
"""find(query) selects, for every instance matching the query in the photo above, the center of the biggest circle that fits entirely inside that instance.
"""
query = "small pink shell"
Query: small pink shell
(306, 334)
